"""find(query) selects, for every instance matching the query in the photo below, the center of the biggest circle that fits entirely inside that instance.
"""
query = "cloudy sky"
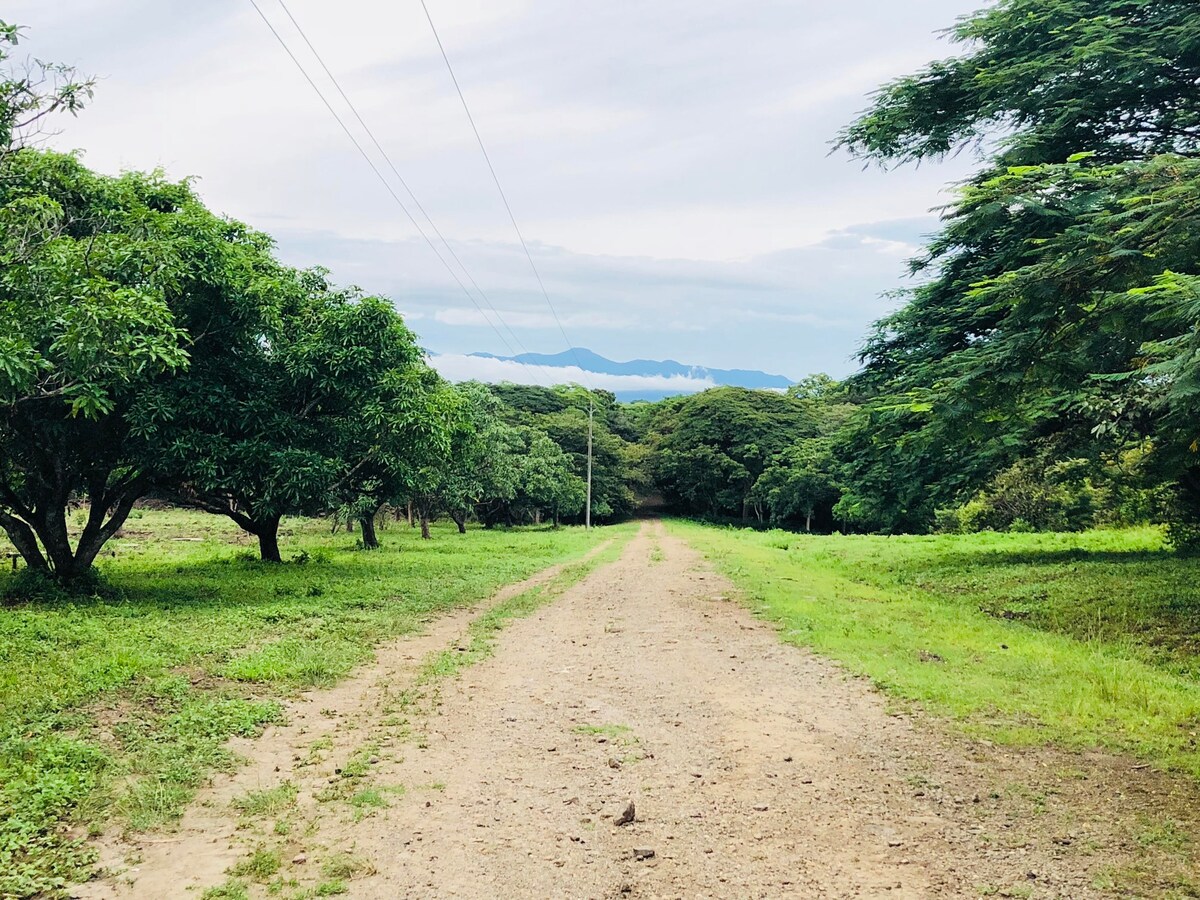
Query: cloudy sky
(668, 161)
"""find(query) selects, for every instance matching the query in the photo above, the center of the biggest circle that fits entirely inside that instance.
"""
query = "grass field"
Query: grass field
(117, 708)
(1082, 640)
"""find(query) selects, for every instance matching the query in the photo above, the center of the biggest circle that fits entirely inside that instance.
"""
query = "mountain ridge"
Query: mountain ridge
(593, 362)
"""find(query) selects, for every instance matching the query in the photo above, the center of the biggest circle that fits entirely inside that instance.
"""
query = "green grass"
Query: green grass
(1083, 640)
(343, 866)
(259, 865)
(611, 732)
(116, 708)
(233, 889)
(267, 802)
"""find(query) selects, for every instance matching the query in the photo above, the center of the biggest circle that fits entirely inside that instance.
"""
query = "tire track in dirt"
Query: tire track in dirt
(744, 759)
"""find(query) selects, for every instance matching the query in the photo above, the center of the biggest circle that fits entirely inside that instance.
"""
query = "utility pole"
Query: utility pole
(587, 516)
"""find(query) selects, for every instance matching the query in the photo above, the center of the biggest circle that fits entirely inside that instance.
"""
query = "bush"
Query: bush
(1029, 496)
(948, 520)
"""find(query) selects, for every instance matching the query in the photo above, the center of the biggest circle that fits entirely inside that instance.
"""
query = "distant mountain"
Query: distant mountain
(650, 368)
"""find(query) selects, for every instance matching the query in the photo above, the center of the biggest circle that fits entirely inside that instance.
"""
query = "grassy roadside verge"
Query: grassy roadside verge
(120, 706)
(1079, 640)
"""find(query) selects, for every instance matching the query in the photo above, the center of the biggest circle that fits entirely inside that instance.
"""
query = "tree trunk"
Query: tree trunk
(424, 525)
(48, 526)
(23, 538)
(808, 520)
(366, 523)
(460, 519)
(411, 521)
(267, 532)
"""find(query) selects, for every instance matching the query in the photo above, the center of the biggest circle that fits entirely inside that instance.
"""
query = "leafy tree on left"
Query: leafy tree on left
(108, 286)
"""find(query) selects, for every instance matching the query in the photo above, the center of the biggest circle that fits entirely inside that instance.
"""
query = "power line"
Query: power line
(550, 378)
(529, 256)
(503, 196)
(400, 178)
(375, 169)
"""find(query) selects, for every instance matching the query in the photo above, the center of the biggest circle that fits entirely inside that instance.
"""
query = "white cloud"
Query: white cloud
(455, 367)
(520, 319)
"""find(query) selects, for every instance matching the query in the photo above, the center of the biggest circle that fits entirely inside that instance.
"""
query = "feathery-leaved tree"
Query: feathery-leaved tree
(1059, 300)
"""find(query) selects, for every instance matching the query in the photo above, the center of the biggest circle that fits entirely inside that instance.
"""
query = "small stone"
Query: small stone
(627, 815)
(761, 808)
(299, 859)
(641, 853)
(895, 843)
(614, 763)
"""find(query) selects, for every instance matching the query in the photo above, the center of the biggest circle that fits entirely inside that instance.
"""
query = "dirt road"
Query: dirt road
(754, 768)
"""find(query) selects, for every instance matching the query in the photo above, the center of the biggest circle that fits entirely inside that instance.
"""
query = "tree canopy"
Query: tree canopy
(1057, 312)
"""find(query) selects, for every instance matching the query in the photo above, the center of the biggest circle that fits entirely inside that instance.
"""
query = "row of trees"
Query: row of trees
(796, 460)
(1043, 372)
(733, 453)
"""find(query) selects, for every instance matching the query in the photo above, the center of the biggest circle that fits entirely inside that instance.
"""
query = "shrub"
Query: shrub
(1029, 496)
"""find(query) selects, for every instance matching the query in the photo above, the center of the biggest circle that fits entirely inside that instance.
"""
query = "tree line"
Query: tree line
(1042, 373)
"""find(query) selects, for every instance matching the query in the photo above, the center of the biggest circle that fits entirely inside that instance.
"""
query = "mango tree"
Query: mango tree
(275, 425)
(109, 288)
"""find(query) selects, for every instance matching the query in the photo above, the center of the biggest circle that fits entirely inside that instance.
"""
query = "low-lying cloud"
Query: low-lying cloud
(457, 367)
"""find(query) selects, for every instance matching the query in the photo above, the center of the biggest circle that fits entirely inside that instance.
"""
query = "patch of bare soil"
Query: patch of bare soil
(644, 736)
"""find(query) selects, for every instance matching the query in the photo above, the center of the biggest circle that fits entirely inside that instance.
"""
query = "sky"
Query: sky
(669, 163)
